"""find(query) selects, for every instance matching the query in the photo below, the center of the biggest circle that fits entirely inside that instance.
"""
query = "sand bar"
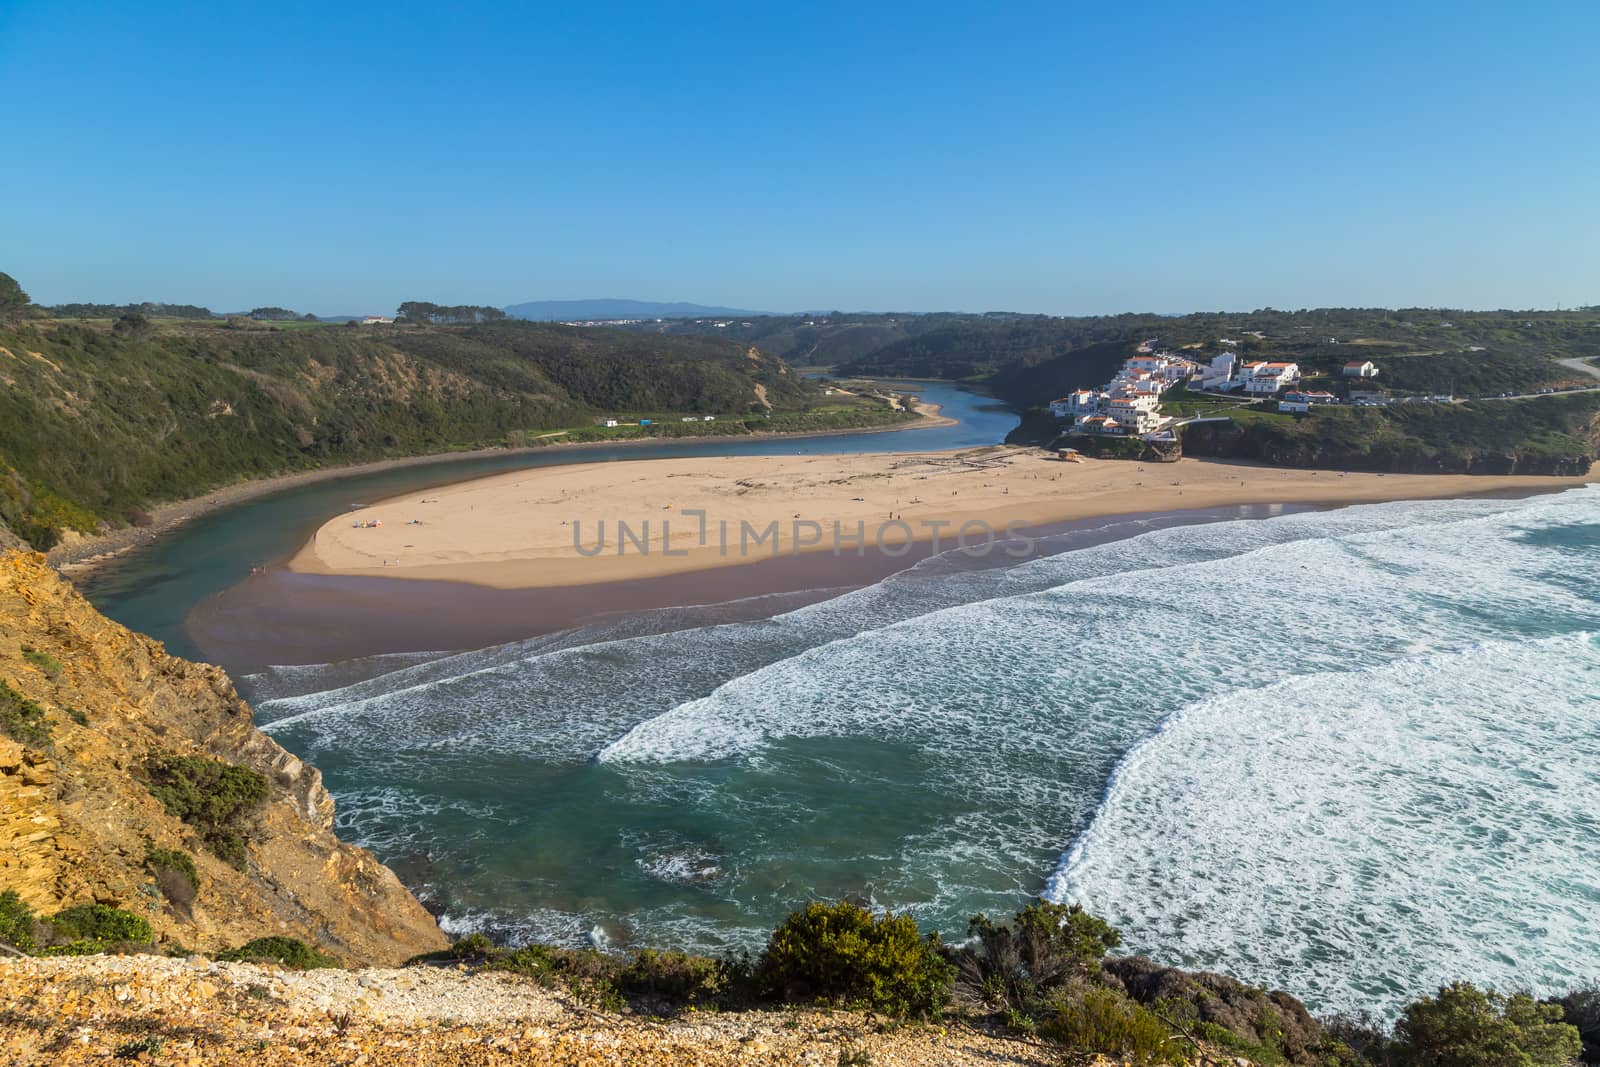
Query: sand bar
(542, 528)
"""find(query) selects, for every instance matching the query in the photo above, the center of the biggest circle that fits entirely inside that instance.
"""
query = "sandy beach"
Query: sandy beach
(79, 552)
(628, 520)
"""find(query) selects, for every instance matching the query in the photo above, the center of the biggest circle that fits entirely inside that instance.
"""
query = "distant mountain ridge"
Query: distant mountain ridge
(568, 310)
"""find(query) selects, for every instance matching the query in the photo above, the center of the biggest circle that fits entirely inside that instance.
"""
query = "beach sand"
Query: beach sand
(541, 529)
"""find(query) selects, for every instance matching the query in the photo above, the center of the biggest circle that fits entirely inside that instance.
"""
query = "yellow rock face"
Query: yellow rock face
(76, 820)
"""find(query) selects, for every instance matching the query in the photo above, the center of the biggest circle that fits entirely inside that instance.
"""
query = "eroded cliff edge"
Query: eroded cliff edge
(77, 820)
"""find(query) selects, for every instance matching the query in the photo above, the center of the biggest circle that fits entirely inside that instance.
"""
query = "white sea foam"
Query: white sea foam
(939, 739)
(1372, 834)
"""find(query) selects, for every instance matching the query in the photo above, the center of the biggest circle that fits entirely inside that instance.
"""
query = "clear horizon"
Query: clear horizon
(1045, 160)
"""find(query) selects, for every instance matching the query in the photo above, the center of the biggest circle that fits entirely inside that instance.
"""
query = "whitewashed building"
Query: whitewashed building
(1268, 379)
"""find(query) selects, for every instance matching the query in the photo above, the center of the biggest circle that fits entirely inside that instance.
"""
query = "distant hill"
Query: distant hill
(100, 419)
(570, 310)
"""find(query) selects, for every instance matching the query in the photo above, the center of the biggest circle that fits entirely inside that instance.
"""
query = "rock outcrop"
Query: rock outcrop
(77, 820)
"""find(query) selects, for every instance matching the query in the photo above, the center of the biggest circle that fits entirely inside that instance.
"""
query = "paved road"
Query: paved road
(1582, 365)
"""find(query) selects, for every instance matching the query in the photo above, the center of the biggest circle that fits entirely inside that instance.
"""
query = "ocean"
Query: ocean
(1352, 753)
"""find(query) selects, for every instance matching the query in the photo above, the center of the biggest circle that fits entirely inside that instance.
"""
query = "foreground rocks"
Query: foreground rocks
(173, 1011)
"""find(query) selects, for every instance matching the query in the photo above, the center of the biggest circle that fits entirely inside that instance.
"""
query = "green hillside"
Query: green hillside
(101, 418)
(1541, 435)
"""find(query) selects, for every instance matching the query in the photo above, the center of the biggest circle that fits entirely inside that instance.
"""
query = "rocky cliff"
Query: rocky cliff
(78, 821)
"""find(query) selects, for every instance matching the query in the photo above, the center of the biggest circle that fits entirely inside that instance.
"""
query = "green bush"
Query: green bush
(471, 947)
(844, 954)
(175, 876)
(77, 716)
(1362, 1035)
(1463, 1026)
(175, 860)
(590, 976)
(148, 1045)
(596, 978)
(98, 922)
(1105, 1022)
(1581, 1008)
(1015, 969)
(82, 947)
(17, 922)
(675, 976)
(43, 660)
(21, 719)
(289, 951)
(212, 796)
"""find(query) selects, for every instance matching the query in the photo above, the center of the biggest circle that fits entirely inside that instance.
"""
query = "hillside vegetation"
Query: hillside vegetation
(101, 418)
(1541, 435)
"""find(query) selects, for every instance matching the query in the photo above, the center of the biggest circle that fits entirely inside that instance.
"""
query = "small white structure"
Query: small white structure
(1302, 402)
(376, 320)
(611, 423)
(691, 418)
(708, 418)
(1361, 369)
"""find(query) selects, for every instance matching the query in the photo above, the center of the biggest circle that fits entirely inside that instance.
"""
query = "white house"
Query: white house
(1267, 379)
(1098, 424)
(1220, 374)
(376, 320)
(611, 423)
(1079, 402)
(1135, 414)
(708, 418)
(1361, 369)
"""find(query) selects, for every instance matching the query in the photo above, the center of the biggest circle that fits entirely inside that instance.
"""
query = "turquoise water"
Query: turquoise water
(153, 588)
(1351, 753)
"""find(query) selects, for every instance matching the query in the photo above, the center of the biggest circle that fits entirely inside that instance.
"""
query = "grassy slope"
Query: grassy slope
(96, 422)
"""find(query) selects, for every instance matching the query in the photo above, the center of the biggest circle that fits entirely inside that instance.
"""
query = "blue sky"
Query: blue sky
(1063, 158)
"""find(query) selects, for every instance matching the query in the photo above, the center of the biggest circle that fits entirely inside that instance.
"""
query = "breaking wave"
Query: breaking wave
(1347, 753)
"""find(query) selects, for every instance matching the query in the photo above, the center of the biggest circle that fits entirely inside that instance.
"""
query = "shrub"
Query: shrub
(212, 796)
(1463, 1026)
(843, 953)
(17, 922)
(1015, 968)
(99, 922)
(1581, 1009)
(148, 1045)
(21, 719)
(43, 660)
(1363, 1034)
(291, 952)
(473, 946)
(1105, 1022)
(596, 978)
(589, 976)
(675, 976)
(77, 716)
(175, 875)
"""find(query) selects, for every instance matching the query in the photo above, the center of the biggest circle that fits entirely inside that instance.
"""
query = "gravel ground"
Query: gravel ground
(172, 1011)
